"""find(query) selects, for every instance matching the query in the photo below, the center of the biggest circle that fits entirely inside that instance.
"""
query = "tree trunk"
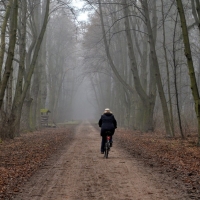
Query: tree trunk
(3, 35)
(167, 69)
(146, 100)
(157, 70)
(188, 55)
(11, 48)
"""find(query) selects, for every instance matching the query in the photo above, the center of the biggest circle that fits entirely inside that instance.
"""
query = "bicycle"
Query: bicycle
(107, 145)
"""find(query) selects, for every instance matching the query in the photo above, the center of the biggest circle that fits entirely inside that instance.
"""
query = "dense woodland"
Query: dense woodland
(141, 57)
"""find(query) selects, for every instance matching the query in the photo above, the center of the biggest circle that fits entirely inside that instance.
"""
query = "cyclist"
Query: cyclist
(107, 122)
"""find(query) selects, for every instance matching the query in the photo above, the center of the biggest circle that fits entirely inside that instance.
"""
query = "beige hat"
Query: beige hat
(107, 110)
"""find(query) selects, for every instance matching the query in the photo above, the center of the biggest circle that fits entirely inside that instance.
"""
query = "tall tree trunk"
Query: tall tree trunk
(3, 35)
(22, 54)
(157, 70)
(167, 68)
(9, 92)
(146, 100)
(11, 48)
(175, 79)
(188, 55)
(26, 117)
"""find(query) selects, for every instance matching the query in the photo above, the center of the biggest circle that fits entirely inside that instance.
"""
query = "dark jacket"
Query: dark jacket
(107, 122)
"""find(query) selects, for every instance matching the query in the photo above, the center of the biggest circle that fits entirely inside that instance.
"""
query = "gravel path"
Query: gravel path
(79, 172)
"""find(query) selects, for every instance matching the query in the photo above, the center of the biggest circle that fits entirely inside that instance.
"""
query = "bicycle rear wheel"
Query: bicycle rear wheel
(106, 150)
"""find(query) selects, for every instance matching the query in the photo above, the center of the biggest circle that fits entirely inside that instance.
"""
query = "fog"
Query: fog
(84, 104)
(76, 59)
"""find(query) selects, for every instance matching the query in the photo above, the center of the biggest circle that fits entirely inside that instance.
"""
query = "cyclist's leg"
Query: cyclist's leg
(103, 143)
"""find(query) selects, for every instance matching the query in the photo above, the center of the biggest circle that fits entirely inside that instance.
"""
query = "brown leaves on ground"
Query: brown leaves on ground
(173, 156)
(21, 157)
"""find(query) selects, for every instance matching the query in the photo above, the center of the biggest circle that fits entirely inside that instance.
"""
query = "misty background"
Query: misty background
(84, 107)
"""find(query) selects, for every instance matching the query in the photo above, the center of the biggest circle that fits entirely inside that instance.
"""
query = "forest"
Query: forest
(140, 57)
(58, 73)
(149, 63)
(37, 62)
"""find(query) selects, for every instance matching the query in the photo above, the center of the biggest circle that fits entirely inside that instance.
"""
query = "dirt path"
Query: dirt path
(79, 172)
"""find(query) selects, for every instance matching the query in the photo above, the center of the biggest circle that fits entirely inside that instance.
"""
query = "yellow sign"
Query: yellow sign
(44, 110)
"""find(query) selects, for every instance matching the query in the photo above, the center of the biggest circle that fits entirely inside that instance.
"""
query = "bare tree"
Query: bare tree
(188, 55)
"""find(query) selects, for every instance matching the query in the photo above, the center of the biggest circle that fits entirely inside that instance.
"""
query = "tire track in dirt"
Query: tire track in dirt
(79, 172)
